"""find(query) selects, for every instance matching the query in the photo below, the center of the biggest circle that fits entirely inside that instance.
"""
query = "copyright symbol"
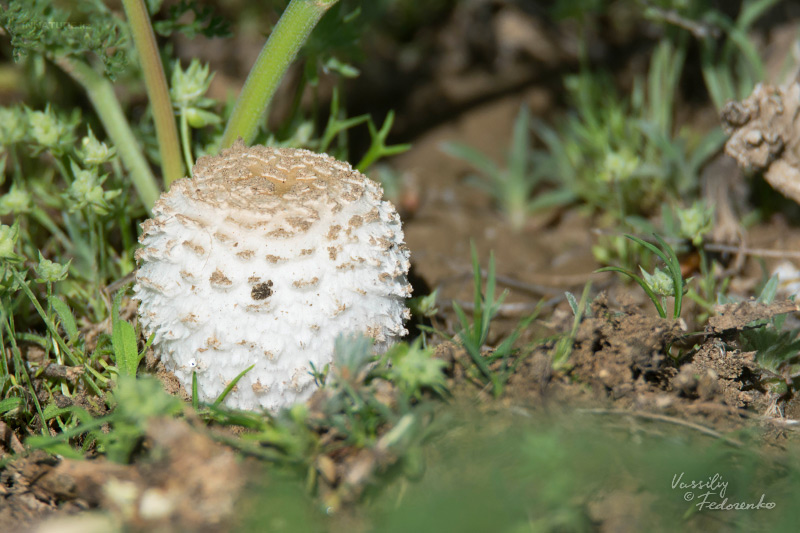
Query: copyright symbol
(689, 496)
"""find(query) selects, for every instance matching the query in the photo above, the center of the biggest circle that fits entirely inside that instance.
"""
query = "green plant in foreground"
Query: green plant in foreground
(133, 401)
(659, 284)
(376, 404)
(124, 341)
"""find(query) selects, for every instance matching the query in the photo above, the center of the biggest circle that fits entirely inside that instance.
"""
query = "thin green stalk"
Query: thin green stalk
(278, 53)
(19, 367)
(72, 359)
(101, 94)
(157, 90)
(185, 141)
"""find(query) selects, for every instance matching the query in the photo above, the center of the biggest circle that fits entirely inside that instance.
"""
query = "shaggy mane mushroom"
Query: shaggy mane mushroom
(263, 258)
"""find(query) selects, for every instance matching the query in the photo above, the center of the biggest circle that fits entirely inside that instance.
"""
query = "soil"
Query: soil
(625, 361)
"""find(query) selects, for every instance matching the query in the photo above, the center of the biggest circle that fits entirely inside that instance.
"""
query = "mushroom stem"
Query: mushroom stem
(281, 48)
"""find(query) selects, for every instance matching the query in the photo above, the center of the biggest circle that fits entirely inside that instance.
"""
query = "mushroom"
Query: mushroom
(264, 257)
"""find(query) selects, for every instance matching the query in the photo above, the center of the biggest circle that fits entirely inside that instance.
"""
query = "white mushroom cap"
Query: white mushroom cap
(263, 258)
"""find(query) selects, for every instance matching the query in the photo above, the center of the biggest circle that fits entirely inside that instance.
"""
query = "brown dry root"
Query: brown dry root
(765, 135)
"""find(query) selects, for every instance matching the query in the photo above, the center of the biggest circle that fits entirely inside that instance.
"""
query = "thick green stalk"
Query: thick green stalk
(105, 102)
(157, 91)
(278, 53)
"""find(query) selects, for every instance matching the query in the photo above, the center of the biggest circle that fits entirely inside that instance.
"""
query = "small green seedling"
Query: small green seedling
(475, 332)
(660, 284)
(563, 348)
(124, 342)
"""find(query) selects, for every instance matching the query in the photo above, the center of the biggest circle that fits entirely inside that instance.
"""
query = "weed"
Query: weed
(367, 403)
(563, 347)
(133, 401)
(620, 155)
(511, 187)
(659, 284)
(777, 350)
(495, 367)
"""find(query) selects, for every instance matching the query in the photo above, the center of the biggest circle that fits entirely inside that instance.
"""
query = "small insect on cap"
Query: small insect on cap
(264, 258)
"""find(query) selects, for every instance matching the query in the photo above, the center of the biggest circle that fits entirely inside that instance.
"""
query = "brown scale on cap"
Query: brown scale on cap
(260, 177)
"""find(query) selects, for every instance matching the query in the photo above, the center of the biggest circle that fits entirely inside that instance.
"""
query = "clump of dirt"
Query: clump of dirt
(190, 483)
(736, 316)
(621, 354)
(637, 363)
(716, 373)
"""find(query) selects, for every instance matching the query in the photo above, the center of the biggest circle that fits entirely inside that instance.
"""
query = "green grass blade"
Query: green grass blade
(231, 385)
(67, 319)
(520, 146)
(123, 341)
(195, 397)
(10, 404)
(641, 283)
(470, 155)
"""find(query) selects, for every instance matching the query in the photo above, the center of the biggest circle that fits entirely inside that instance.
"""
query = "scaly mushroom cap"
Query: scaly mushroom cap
(263, 258)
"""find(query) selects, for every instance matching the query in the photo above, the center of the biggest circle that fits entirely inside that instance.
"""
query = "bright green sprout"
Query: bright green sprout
(50, 271)
(655, 285)
(659, 281)
(695, 222)
(8, 241)
(13, 125)
(414, 368)
(187, 93)
(188, 89)
(94, 152)
(16, 201)
(619, 165)
(87, 191)
(49, 131)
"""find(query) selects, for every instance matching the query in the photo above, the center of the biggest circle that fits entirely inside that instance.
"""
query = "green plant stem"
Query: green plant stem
(185, 140)
(157, 90)
(19, 367)
(72, 359)
(101, 94)
(281, 48)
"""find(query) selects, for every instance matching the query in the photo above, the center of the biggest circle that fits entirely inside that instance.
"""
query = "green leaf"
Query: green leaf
(52, 411)
(573, 303)
(554, 198)
(199, 118)
(232, 384)
(641, 283)
(124, 341)
(67, 319)
(195, 396)
(9, 404)
(481, 162)
(520, 145)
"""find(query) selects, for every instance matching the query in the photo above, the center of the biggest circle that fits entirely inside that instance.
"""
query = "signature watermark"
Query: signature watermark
(710, 493)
